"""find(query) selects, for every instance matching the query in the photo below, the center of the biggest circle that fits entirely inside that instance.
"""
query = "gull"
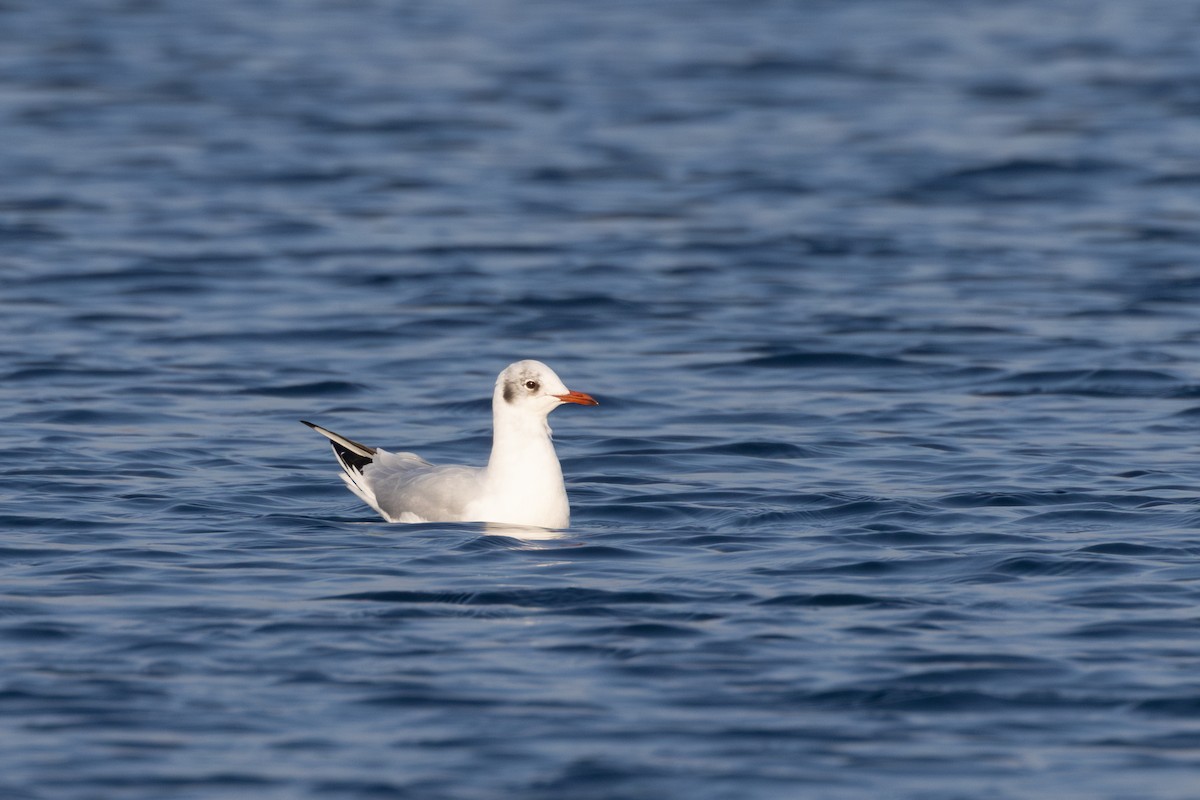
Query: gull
(521, 485)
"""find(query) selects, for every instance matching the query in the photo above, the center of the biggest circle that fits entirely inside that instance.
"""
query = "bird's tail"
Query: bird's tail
(353, 457)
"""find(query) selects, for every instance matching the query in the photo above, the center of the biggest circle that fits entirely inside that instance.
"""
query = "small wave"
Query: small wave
(534, 598)
(1178, 706)
(989, 499)
(646, 630)
(98, 417)
(36, 632)
(1144, 628)
(918, 699)
(1017, 180)
(757, 449)
(1040, 566)
(1087, 383)
(836, 600)
(822, 360)
(1122, 549)
(313, 389)
(1082, 518)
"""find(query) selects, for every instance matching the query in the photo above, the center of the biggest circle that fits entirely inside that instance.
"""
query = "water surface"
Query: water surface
(891, 308)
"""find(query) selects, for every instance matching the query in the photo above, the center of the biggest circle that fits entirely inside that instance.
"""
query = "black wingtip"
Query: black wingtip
(349, 459)
(309, 424)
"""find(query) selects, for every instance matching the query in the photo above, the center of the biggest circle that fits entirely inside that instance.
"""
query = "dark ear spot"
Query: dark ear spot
(510, 392)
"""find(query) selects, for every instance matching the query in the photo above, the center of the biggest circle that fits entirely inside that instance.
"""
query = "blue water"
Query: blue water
(893, 312)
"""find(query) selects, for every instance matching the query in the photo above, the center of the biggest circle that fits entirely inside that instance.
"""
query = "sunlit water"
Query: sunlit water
(891, 308)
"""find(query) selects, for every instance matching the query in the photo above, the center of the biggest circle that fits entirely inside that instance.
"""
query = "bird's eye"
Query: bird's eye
(531, 385)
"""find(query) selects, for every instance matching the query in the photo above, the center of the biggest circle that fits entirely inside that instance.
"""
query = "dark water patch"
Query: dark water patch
(649, 445)
(288, 227)
(689, 497)
(1137, 596)
(1176, 178)
(581, 551)
(304, 252)
(498, 248)
(894, 536)
(1124, 549)
(993, 675)
(428, 697)
(868, 568)
(1084, 519)
(942, 701)
(818, 360)
(501, 545)
(1017, 180)
(215, 781)
(1182, 741)
(84, 694)
(1141, 473)
(301, 175)
(757, 449)
(306, 743)
(363, 788)
(30, 554)
(836, 601)
(1138, 629)
(163, 648)
(46, 203)
(304, 628)
(91, 417)
(1087, 383)
(989, 499)
(110, 318)
(139, 280)
(993, 658)
(779, 65)
(1187, 706)
(532, 598)
(1044, 566)
(753, 449)
(1168, 233)
(89, 375)
(600, 172)
(67, 530)
(311, 389)
(598, 777)
(16, 232)
(90, 569)
(728, 542)
(290, 336)
(417, 125)
(646, 512)
(1004, 91)
(646, 630)
(36, 632)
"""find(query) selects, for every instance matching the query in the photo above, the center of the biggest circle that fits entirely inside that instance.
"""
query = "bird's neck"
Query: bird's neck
(523, 476)
(522, 449)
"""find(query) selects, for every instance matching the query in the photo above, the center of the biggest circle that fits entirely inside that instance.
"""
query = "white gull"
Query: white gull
(522, 483)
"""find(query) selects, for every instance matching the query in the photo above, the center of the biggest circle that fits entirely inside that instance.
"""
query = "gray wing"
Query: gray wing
(407, 488)
(404, 487)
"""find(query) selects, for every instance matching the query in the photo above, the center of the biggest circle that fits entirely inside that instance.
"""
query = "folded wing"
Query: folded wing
(404, 487)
